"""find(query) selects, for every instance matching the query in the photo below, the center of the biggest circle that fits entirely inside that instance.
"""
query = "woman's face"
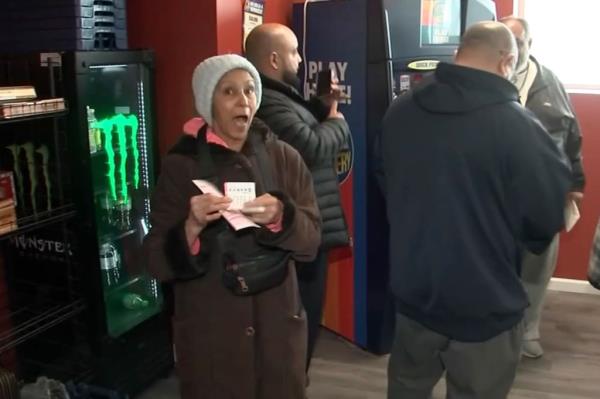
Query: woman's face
(234, 106)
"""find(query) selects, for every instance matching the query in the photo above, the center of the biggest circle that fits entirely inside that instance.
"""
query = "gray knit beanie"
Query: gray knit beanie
(208, 74)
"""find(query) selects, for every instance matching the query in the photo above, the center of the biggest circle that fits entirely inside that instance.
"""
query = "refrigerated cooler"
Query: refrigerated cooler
(112, 139)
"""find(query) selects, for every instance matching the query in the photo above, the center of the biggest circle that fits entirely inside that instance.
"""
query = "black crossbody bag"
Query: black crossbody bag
(246, 271)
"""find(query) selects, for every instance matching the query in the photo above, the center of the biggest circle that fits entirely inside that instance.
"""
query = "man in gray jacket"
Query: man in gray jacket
(318, 131)
(543, 94)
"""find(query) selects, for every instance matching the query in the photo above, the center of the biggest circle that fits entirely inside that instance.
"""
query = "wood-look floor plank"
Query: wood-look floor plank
(570, 369)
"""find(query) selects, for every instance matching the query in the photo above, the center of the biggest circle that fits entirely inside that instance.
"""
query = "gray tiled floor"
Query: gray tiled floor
(569, 370)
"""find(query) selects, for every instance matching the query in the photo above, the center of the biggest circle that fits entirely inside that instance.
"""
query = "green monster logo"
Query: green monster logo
(31, 160)
(119, 123)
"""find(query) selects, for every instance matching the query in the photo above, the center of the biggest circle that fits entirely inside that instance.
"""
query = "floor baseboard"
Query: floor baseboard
(568, 285)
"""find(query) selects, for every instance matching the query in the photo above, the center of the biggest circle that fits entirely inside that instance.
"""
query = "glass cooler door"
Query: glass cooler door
(121, 161)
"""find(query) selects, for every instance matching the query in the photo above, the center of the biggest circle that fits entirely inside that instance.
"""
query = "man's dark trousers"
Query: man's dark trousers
(312, 279)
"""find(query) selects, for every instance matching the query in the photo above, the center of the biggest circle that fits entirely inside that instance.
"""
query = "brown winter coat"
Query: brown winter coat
(231, 347)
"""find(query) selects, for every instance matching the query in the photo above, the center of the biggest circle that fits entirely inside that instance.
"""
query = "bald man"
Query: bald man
(318, 131)
(471, 179)
(541, 92)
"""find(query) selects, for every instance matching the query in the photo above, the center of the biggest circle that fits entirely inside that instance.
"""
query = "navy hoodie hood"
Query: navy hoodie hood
(461, 89)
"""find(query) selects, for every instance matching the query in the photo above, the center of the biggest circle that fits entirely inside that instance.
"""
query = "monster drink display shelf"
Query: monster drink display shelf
(32, 141)
(27, 109)
(38, 188)
(26, 118)
(38, 288)
(112, 134)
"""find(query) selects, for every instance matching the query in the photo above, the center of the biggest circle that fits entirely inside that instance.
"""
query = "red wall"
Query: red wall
(229, 16)
(279, 11)
(229, 26)
(575, 247)
(181, 34)
(504, 8)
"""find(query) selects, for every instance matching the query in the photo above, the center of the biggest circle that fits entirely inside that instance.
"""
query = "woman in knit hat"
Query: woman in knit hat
(232, 342)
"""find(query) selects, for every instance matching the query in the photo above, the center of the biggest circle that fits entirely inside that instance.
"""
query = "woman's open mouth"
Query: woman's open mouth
(241, 120)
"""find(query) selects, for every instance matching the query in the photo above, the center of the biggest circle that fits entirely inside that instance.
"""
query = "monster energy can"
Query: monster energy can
(109, 264)
(123, 214)
(109, 257)
(106, 207)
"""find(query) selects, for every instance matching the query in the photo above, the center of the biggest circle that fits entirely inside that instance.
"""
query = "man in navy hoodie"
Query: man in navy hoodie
(471, 178)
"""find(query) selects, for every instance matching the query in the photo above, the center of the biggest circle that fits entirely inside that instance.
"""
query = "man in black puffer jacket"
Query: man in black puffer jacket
(318, 131)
